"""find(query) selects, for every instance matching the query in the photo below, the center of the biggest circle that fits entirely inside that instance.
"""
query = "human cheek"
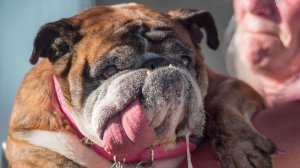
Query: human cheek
(289, 11)
(238, 9)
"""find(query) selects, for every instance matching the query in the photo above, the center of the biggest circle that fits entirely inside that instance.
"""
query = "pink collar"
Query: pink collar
(159, 152)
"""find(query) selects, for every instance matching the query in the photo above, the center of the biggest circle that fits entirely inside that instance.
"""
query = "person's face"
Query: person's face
(269, 36)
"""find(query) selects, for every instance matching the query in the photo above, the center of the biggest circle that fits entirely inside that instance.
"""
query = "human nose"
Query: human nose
(260, 7)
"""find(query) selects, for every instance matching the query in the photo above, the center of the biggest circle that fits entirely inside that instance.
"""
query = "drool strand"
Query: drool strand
(188, 153)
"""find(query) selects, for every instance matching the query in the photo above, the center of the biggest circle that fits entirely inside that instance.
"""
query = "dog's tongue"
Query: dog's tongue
(128, 132)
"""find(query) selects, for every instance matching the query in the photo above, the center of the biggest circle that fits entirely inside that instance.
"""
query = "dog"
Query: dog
(125, 85)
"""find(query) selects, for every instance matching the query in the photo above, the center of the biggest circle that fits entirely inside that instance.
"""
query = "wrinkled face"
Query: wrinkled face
(140, 81)
(269, 31)
(131, 77)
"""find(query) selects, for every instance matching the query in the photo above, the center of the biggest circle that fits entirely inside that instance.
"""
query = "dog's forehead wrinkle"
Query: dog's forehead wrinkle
(155, 30)
(157, 35)
(130, 25)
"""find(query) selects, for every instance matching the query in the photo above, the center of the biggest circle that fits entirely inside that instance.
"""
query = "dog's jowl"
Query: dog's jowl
(124, 85)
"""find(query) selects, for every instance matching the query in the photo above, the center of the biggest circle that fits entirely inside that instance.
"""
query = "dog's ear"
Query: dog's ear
(54, 40)
(193, 20)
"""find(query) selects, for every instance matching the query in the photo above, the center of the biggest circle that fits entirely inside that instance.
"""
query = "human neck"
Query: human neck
(279, 91)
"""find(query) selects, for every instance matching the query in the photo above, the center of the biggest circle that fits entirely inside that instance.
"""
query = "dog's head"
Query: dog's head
(131, 76)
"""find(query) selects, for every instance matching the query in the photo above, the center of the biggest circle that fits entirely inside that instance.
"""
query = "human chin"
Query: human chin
(259, 49)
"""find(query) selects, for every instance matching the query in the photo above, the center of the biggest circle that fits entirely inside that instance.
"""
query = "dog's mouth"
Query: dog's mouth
(148, 111)
(130, 133)
(130, 136)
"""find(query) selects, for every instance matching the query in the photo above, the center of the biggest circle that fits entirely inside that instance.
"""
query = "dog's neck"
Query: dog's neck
(155, 153)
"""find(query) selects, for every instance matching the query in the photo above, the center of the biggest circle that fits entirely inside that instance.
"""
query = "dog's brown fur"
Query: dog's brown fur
(228, 102)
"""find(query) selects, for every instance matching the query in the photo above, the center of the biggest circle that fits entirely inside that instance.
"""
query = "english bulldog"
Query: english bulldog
(126, 86)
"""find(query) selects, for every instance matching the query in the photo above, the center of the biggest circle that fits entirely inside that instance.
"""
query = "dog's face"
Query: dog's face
(131, 77)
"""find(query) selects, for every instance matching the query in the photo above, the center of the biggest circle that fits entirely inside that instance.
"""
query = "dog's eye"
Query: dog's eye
(109, 71)
(185, 60)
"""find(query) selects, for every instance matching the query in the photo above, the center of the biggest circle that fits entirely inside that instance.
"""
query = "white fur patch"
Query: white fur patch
(69, 146)
(65, 144)
(124, 5)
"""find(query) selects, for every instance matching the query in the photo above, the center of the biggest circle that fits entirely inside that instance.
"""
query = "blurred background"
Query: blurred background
(20, 21)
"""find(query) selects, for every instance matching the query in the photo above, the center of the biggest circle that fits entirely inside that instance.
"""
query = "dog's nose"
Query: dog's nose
(154, 63)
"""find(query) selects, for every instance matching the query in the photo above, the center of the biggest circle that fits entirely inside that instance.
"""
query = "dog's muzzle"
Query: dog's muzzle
(140, 108)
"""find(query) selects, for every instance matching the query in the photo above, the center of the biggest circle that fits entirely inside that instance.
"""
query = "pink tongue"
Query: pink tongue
(128, 132)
